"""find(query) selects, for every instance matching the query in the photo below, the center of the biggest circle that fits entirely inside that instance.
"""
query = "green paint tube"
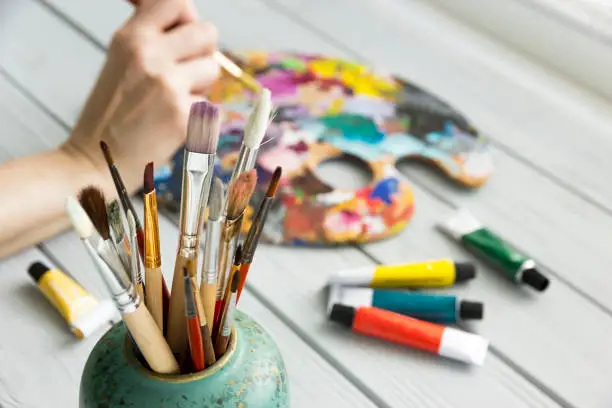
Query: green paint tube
(463, 227)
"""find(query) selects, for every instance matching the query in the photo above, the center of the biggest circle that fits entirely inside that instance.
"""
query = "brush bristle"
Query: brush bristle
(149, 184)
(240, 192)
(93, 202)
(79, 219)
(107, 154)
(274, 182)
(114, 220)
(238, 255)
(258, 120)
(215, 203)
(203, 129)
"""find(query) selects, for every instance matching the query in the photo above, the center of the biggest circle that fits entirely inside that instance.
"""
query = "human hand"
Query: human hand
(158, 63)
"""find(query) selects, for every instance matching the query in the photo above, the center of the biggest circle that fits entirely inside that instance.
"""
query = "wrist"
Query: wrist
(83, 169)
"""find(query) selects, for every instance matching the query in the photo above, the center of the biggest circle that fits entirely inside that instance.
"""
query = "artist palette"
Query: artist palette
(328, 109)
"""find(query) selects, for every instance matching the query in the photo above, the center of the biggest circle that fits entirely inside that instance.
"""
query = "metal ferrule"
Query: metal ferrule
(211, 251)
(229, 239)
(246, 160)
(252, 238)
(121, 289)
(198, 169)
(152, 255)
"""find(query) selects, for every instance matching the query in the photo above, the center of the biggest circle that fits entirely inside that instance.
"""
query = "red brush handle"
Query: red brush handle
(244, 270)
(195, 343)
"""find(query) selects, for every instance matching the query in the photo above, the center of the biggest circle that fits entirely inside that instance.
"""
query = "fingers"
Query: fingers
(198, 73)
(164, 14)
(191, 40)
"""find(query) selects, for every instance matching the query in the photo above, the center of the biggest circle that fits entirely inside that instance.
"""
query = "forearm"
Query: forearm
(35, 189)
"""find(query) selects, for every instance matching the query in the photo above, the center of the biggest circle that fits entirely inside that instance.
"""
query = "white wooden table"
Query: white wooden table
(550, 195)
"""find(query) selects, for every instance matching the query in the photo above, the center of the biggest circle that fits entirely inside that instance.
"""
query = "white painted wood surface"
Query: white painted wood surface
(539, 357)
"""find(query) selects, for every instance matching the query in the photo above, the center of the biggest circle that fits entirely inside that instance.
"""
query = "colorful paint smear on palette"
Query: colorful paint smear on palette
(327, 109)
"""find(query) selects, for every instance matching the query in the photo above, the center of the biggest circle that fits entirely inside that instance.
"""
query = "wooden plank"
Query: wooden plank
(397, 378)
(37, 352)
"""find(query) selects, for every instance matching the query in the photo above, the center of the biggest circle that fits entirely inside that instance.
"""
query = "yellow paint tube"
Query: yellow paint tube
(83, 313)
(437, 273)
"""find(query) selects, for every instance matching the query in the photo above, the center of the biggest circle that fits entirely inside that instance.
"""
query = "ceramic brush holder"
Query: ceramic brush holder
(251, 374)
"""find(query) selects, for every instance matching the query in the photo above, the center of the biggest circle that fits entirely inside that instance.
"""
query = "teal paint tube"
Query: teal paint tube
(432, 308)
(517, 267)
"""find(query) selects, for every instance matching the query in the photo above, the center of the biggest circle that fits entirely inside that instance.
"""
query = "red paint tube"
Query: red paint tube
(445, 341)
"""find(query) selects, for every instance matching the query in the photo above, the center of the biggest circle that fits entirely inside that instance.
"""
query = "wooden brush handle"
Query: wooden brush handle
(154, 292)
(177, 328)
(150, 341)
(208, 294)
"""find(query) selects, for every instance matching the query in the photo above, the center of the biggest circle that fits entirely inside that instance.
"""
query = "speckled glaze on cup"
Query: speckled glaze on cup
(250, 375)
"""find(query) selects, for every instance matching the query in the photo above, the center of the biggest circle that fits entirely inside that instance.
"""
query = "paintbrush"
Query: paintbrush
(198, 164)
(208, 286)
(230, 66)
(120, 241)
(137, 277)
(209, 351)
(252, 237)
(227, 319)
(140, 324)
(92, 201)
(226, 295)
(124, 197)
(152, 255)
(192, 322)
(239, 194)
(254, 132)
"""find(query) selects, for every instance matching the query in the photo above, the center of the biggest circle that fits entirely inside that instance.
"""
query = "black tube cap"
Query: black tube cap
(464, 271)
(37, 270)
(469, 310)
(342, 314)
(535, 279)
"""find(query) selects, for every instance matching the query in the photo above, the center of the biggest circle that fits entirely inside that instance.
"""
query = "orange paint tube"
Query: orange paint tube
(414, 333)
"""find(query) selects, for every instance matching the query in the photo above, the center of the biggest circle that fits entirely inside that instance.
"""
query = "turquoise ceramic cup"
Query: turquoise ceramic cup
(250, 375)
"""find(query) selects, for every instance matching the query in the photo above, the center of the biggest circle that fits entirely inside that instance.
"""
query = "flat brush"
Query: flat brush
(138, 320)
(137, 277)
(194, 334)
(254, 132)
(239, 194)
(208, 286)
(124, 197)
(198, 163)
(120, 241)
(227, 318)
(252, 237)
(152, 255)
(92, 201)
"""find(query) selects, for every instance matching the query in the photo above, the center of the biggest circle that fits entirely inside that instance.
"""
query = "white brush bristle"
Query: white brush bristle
(79, 218)
(258, 120)
(131, 223)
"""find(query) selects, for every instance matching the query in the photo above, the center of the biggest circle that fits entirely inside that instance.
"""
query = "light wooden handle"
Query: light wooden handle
(208, 294)
(177, 323)
(154, 299)
(150, 341)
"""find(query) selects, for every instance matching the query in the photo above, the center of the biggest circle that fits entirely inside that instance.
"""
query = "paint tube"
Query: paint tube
(83, 313)
(445, 341)
(520, 269)
(438, 273)
(433, 308)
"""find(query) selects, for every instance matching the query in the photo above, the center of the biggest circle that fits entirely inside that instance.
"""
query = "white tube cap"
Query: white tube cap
(105, 313)
(355, 277)
(463, 346)
(349, 296)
